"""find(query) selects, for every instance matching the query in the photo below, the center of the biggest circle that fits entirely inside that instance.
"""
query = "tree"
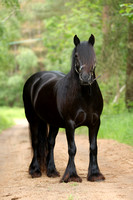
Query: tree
(114, 48)
(129, 71)
(9, 31)
(127, 10)
(8, 26)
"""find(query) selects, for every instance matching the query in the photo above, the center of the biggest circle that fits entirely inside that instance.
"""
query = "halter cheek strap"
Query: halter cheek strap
(76, 69)
(80, 68)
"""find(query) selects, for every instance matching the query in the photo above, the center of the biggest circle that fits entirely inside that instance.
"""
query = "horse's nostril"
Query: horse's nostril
(85, 79)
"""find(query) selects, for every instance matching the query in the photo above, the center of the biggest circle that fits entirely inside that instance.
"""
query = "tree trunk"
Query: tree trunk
(129, 72)
(106, 31)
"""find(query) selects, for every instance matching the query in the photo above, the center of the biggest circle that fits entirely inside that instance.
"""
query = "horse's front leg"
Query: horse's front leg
(94, 173)
(70, 173)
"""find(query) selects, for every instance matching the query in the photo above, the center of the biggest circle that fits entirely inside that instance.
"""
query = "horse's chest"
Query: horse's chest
(80, 111)
(85, 118)
(80, 117)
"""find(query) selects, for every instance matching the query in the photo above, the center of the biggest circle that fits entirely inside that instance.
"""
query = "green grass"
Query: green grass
(7, 116)
(115, 126)
(70, 197)
(5, 122)
(118, 127)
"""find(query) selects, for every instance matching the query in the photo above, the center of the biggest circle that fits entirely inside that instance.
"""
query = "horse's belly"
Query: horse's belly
(49, 114)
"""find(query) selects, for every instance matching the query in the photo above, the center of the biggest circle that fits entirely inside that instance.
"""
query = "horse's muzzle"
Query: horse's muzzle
(85, 79)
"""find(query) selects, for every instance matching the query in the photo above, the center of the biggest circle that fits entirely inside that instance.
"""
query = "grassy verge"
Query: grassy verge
(115, 126)
(7, 116)
(118, 127)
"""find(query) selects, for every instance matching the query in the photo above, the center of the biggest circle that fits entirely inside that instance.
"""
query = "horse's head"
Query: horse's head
(84, 60)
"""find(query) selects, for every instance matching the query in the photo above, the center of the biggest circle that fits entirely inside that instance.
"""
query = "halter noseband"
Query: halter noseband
(80, 68)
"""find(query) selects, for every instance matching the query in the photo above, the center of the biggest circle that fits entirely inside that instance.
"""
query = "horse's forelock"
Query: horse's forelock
(86, 53)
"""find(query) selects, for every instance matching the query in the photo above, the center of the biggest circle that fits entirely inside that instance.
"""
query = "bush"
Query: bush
(27, 61)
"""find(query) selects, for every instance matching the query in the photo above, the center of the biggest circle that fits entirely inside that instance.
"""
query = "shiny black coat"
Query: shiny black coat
(53, 100)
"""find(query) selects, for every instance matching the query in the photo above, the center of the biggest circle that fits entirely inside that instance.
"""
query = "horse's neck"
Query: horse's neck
(73, 78)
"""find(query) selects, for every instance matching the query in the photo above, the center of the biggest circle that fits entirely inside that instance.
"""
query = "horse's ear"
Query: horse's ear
(91, 39)
(76, 40)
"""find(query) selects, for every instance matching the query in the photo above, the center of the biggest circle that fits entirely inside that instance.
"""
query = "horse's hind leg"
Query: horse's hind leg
(51, 169)
(38, 131)
(34, 168)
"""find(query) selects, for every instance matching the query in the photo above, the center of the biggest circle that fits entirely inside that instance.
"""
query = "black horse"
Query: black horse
(53, 100)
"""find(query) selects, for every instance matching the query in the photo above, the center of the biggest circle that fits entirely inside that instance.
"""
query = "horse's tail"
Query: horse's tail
(42, 144)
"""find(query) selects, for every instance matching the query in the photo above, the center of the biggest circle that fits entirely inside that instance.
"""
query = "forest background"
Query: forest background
(38, 35)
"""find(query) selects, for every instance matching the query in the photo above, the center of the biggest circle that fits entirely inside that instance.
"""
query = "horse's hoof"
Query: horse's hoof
(35, 173)
(95, 177)
(54, 173)
(74, 178)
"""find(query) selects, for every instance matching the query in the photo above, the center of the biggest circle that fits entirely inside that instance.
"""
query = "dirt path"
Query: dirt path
(115, 160)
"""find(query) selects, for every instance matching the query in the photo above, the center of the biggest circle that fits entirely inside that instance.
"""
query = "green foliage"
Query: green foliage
(114, 39)
(12, 83)
(6, 58)
(9, 30)
(11, 90)
(10, 3)
(15, 86)
(60, 30)
(110, 86)
(27, 61)
(127, 10)
(39, 10)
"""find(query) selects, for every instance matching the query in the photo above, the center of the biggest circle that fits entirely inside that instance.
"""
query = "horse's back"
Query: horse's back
(41, 80)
